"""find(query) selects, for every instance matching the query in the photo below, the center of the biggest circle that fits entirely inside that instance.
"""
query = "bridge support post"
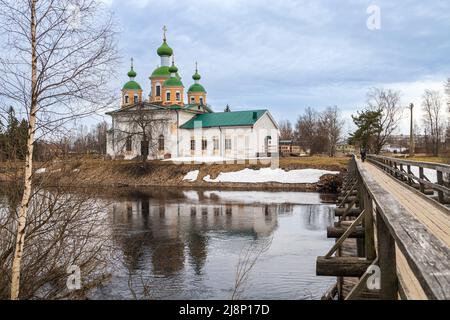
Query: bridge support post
(387, 261)
(369, 236)
(440, 181)
(421, 176)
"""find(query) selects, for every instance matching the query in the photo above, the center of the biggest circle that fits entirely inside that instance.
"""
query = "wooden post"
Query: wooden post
(410, 181)
(440, 181)
(369, 237)
(421, 176)
(386, 259)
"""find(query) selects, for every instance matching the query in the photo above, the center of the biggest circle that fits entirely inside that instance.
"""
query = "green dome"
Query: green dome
(196, 76)
(173, 82)
(164, 50)
(132, 85)
(196, 88)
(173, 69)
(162, 72)
(132, 73)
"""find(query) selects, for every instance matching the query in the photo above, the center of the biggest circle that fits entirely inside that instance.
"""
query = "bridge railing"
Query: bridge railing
(427, 257)
(430, 178)
(391, 238)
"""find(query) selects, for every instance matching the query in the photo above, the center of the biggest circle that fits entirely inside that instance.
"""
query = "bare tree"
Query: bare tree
(387, 102)
(247, 260)
(143, 125)
(56, 68)
(286, 132)
(305, 130)
(447, 91)
(62, 230)
(433, 118)
(333, 126)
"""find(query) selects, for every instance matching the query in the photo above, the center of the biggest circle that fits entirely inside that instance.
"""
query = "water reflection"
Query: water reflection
(188, 244)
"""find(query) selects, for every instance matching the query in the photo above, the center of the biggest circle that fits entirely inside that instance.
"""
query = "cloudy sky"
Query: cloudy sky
(288, 55)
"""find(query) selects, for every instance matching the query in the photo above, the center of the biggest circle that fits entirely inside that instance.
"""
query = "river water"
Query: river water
(189, 244)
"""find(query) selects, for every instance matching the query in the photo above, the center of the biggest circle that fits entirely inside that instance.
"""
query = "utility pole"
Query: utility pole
(411, 133)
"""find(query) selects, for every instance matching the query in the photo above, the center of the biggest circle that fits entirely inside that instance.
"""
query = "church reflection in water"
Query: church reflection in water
(171, 232)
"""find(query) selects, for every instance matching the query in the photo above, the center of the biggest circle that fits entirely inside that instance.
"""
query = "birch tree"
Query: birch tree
(58, 58)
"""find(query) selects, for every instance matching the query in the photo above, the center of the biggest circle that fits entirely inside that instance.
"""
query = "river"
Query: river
(189, 244)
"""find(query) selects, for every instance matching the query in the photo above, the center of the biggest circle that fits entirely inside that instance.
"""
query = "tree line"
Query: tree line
(75, 142)
(315, 132)
(379, 120)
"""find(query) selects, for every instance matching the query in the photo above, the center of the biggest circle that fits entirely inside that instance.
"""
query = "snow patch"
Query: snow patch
(271, 175)
(192, 175)
(40, 170)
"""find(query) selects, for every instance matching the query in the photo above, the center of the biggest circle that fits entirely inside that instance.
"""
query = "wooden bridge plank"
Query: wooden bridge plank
(424, 243)
(436, 221)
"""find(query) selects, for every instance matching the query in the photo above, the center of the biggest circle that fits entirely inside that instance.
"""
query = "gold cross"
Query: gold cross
(164, 32)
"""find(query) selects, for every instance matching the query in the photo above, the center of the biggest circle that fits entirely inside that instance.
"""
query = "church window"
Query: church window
(158, 90)
(178, 96)
(192, 100)
(192, 144)
(201, 100)
(204, 144)
(127, 99)
(128, 144)
(216, 143)
(168, 95)
(161, 143)
(136, 99)
(228, 144)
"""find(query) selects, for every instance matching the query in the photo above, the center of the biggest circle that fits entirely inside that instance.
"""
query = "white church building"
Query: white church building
(165, 127)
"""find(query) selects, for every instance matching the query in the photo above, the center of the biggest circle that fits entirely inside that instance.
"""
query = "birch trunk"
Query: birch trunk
(22, 218)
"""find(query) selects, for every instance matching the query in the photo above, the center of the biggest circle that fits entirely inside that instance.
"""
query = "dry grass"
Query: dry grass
(91, 172)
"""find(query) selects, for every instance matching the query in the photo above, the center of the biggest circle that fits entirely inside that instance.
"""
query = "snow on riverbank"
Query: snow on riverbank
(271, 175)
(209, 159)
(192, 175)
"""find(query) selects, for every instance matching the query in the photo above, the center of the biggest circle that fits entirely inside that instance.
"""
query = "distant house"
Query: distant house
(345, 148)
(289, 148)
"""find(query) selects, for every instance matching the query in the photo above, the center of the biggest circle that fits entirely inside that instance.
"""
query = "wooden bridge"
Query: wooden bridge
(393, 232)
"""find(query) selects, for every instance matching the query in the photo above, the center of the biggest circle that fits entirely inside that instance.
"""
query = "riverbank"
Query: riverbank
(105, 174)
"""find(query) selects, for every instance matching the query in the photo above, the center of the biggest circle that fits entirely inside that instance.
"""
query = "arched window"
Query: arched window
(178, 96)
(161, 143)
(127, 99)
(136, 99)
(168, 95)
(201, 100)
(192, 99)
(158, 90)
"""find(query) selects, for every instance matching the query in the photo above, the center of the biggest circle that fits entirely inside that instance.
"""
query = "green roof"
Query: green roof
(195, 107)
(173, 82)
(196, 88)
(164, 50)
(225, 119)
(131, 85)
